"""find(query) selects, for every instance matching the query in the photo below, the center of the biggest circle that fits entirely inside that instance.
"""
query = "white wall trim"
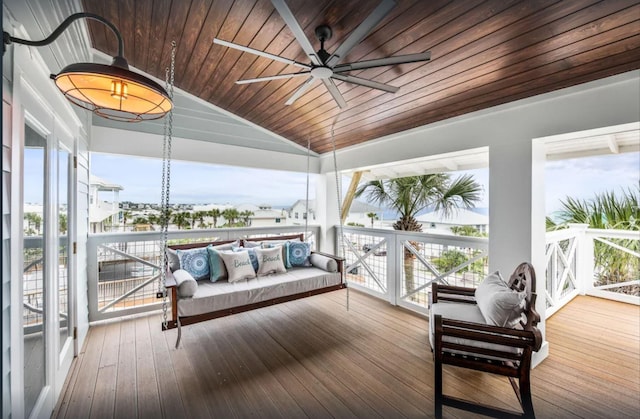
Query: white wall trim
(133, 143)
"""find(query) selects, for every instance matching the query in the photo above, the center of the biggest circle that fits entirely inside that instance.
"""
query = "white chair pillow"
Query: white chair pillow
(499, 304)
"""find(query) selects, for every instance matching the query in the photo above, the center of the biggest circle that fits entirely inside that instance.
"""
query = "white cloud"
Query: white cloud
(582, 178)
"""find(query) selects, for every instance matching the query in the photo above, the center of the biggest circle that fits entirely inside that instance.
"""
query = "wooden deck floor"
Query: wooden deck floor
(311, 358)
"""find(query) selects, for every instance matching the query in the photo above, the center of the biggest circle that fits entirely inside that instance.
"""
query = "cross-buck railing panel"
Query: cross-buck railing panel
(400, 266)
(124, 268)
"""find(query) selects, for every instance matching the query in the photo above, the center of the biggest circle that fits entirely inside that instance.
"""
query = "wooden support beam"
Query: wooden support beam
(346, 204)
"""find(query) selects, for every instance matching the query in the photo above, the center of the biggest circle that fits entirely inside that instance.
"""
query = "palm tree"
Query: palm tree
(607, 211)
(181, 219)
(33, 219)
(195, 216)
(125, 216)
(62, 223)
(410, 195)
(199, 216)
(168, 215)
(468, 231)
(373, 217)
(153, 219)
(140, 220)
(246, 216)
(231, 215)
(215, 214)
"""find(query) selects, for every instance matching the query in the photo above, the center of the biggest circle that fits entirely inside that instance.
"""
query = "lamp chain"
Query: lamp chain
(166, 182)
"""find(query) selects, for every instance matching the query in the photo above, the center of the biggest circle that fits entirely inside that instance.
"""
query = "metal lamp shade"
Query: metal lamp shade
(113, 92)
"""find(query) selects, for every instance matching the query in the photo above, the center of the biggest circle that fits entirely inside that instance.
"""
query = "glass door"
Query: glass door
(35, 269)
(65, 280)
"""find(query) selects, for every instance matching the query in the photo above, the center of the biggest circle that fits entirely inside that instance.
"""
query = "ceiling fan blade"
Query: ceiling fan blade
(300, 91)
(361, 31)
(367, 83)
(276, 77)
(333, 89)
(260, 53)
(294, 26)
(383, 62)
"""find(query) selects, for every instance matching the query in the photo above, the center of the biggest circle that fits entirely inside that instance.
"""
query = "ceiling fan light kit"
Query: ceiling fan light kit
(324, 66)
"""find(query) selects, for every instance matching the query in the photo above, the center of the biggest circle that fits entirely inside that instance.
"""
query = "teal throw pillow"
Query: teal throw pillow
(298, 254)
(217, 270)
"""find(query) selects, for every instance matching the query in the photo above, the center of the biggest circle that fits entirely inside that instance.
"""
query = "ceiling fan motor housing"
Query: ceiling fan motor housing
(323, 33)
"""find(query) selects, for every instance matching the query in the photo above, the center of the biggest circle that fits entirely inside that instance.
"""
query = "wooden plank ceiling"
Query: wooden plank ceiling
(483, 53)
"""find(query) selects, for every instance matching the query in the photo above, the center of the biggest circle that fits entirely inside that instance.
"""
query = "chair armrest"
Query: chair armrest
(441, 292)
(470, 337)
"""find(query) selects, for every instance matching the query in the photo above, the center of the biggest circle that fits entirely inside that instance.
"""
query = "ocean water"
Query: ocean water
(393, 215)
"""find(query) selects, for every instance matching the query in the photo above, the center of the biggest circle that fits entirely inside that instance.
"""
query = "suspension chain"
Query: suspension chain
(306, 218)
(338, 188)
(166, 182)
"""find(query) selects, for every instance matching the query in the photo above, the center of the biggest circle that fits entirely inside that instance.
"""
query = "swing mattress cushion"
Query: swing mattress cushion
(222, 295)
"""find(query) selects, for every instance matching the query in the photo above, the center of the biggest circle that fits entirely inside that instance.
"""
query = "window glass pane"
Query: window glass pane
(63, 245)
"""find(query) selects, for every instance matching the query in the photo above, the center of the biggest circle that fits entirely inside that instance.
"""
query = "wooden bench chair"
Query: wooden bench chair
(461, 336)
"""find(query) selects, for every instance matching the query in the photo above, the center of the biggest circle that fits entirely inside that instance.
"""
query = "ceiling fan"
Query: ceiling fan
(325, 66)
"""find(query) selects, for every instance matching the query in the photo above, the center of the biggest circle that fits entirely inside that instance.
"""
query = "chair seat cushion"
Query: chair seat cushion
(463, 312)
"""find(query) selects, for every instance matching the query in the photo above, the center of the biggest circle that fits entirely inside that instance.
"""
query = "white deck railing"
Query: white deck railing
(400, 266)
(124, 268)
(397, 266)
(602, 263)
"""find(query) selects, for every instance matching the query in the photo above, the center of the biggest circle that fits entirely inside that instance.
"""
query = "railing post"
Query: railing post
(584, 257)
(393, 269)
(587, 256)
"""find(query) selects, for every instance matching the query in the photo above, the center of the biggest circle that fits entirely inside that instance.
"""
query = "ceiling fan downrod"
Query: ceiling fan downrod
(323, 33)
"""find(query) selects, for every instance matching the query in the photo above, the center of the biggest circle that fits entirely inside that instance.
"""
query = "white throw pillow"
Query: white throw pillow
(270, 260)
(499, 304)
(238, 265)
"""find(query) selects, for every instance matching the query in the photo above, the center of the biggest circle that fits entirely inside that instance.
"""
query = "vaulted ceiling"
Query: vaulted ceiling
(483, 53)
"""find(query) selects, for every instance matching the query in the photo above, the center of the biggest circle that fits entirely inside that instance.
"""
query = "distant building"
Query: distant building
(264, 215)
(103, 212)
(298, 212)
(438, 223)
(358, 214)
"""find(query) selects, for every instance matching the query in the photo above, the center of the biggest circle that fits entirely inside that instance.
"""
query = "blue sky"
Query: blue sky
(199, 183)
(203, 183)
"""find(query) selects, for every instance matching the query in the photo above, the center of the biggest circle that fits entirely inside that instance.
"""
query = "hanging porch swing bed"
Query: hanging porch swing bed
(243, 275)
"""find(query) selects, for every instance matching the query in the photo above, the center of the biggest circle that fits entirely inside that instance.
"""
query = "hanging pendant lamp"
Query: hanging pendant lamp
(110, 91)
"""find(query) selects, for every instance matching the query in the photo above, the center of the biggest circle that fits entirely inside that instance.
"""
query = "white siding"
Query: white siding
(6, 259)
(82, 208)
